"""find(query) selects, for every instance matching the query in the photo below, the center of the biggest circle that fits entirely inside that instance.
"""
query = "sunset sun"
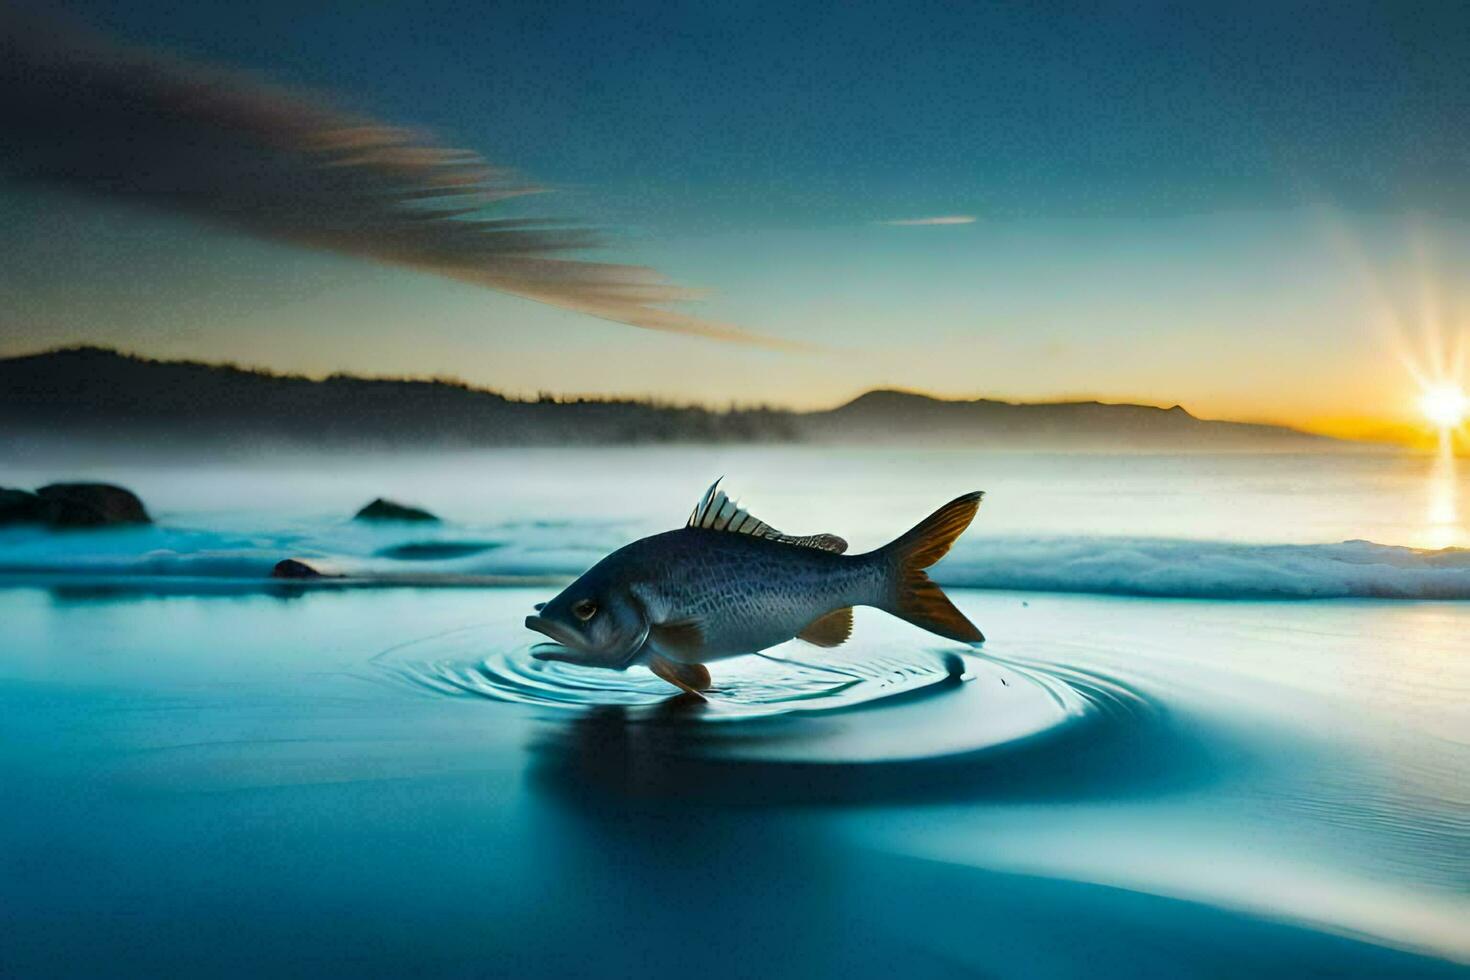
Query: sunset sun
(1445, 405)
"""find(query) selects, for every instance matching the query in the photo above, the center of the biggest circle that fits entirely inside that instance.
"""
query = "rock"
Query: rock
(295, 568)
(436, 550)
(387, 510)
(66, 505)
(21, 507)
(91, 505)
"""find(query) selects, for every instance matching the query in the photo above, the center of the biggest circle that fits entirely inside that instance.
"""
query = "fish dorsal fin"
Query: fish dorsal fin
(831, 630)
(717, 512)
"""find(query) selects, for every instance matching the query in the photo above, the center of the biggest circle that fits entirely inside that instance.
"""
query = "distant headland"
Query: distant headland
(92, 395)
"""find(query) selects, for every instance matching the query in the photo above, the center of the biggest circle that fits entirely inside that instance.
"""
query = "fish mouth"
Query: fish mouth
(566, 644)
(569, 647)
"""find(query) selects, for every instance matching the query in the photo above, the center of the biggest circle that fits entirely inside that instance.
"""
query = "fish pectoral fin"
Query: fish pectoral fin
(683, 637)
(831, 630)
(690, 678)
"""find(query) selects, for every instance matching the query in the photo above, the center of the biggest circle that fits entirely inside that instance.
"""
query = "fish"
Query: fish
(727, 584)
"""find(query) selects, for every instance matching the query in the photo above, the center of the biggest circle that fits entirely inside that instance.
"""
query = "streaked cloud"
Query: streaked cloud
(138, 126)
(938, 219)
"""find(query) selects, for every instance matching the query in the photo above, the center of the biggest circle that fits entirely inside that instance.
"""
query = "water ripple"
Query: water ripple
(871, 703)
(748, 687)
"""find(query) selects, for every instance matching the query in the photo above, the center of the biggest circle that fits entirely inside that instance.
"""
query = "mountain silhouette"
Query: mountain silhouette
(94, 395)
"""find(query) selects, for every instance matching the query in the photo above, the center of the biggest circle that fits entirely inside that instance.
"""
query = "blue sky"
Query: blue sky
(1175, 203)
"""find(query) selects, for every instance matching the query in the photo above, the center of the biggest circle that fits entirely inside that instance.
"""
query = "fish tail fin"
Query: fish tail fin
(914, 596)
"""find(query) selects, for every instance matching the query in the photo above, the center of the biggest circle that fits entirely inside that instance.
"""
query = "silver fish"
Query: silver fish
(728, 584)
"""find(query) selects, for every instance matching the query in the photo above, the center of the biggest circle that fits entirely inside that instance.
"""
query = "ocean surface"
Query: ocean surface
(1220, 727)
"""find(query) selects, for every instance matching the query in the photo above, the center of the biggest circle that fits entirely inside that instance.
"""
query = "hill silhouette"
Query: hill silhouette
(91, 395)
(887, 415)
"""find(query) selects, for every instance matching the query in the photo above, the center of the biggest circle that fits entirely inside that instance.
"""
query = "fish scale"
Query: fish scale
(729, 584)
(750, 593)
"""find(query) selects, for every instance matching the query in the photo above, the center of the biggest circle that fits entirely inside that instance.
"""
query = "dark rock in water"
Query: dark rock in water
(92, 505)
(21, 507)
(296, 568)
(387, 510)
(437, 550)
(73, 505)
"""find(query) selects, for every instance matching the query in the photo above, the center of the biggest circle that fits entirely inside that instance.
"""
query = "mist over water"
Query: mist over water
(1264, 498)
(1172, 774)
(1207, 526)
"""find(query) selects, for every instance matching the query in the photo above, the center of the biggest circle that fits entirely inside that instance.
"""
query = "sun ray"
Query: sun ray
(1444, 405)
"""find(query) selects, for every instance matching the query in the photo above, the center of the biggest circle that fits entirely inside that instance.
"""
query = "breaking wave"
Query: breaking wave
(1211, 569)
(507, 553)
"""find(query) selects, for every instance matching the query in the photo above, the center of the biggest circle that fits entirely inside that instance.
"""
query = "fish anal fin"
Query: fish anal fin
(683, 638)
(689, 678)
(717, 512)
(831, 630)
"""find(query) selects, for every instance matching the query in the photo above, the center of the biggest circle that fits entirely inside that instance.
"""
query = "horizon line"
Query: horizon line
(657, 400)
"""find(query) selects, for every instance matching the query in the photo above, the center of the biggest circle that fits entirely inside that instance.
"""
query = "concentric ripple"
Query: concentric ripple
(885, 698)
(745, 687)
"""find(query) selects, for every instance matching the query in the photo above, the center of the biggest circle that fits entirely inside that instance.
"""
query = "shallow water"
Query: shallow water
(219, 775)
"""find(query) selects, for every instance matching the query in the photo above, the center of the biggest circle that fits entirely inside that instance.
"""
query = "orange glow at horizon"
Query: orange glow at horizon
(1419, 323)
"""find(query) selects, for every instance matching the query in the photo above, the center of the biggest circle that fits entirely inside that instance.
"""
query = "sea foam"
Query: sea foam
(1164, 567)
(1210, 569)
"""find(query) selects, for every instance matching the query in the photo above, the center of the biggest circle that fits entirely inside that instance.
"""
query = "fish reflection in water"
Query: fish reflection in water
(980, 729)
(884, 718)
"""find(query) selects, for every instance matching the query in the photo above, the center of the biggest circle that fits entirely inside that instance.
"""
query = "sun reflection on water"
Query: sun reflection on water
(1442, 517)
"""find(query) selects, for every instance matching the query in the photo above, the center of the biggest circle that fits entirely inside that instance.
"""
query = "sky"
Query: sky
(1256, 211)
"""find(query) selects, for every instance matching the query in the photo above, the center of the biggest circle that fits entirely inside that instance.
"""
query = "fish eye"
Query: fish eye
(585, 609)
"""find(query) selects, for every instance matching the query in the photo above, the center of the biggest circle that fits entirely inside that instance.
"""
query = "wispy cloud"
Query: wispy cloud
(226, 147)
(938, 219)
